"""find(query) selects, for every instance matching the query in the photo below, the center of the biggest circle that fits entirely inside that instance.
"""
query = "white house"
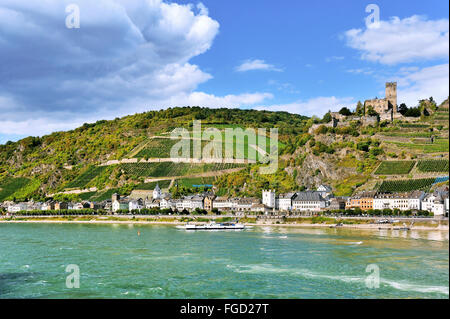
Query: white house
(246, 204)
(439, 206)
(48, 206)
(197, 201)
(179, 204)
(285, 201)
(415, 200)
(190, 203)
(222, 203)
(166, 203)
(259, 208)
(78, 206)
(120, 204)
(15, 208)
(135, 205)
(152, 203)
(308, 202)
(324, 190)
(401, 201)
(435, 203)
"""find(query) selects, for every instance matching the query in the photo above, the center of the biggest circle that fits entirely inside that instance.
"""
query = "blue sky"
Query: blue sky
(137, 55)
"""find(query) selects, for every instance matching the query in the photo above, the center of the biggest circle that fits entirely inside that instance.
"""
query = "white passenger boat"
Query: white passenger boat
(214, 226)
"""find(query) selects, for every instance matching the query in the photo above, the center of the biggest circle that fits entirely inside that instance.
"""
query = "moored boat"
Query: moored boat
(214, 226)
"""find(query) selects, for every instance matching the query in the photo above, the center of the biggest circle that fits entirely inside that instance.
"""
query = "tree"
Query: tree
(363, 146)
(403, 109)
(413, 112)
(360, 109)
(371, 111)
(326, 118)
(345, 111)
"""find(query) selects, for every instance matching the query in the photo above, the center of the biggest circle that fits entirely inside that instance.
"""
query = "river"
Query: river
(135, 261)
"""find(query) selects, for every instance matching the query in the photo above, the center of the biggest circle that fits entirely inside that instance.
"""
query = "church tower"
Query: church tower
(157, 192)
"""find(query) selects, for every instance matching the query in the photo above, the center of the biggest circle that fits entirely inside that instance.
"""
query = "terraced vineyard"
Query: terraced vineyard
(414, 125)
(439, 146)
(87, 196)
(157, 148)
(151, 186)
(83, 179)
(23, 193)
(165, 169)
(407, 134)
(395, 167)
(104, 195)
(160, 148)
(406, 185)
(193, 182)
(433, 165)
(10, 186)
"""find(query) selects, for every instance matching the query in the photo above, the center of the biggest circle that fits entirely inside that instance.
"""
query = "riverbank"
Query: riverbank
(440, 225)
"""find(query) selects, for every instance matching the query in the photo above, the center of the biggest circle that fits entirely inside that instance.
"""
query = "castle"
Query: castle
(387, 107)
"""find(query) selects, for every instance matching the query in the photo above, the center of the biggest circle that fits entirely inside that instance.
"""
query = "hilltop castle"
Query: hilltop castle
(387, 107)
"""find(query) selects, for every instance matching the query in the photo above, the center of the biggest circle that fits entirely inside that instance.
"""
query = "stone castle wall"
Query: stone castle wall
(379, 105)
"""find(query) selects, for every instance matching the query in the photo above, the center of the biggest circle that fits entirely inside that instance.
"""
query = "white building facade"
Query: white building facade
(268, 198)
(285, 202)
(308, 202)
(401, 201)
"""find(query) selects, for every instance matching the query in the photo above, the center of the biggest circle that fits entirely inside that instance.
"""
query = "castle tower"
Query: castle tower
(268, 198)
(391, 95)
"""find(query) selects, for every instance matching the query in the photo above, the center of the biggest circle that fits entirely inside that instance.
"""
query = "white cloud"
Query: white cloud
(128, 56)
(202, 9)
(256, 64)
(315, 106)
(402, 40)
(417, 84)
(210, 100)
(41, 123)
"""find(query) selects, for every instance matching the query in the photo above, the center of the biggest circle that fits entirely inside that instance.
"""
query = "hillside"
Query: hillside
(95, 160)
(35, 167)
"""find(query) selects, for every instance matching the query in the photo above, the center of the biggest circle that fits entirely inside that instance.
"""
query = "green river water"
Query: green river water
(264, 262)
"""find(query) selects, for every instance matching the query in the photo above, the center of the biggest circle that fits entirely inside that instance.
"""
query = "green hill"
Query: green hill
(106, 156)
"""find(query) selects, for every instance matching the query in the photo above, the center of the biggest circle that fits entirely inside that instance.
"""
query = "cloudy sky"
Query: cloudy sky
(130, 56)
